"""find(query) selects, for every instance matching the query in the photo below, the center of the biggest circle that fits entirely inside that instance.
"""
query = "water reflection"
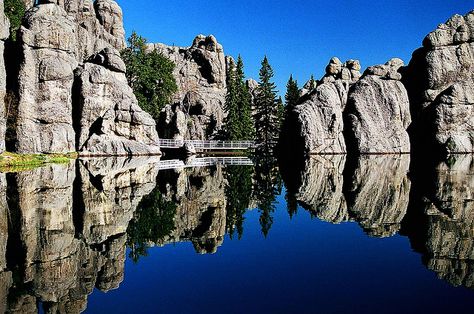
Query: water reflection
(65, 229)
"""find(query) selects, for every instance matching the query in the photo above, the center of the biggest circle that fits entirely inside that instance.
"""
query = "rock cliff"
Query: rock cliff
(316, 125)
(197, 111)
(73, 95)
(377, 115)
(4, 33)
(440, 82)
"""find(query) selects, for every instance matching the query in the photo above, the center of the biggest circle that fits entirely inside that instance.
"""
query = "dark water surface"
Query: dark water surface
(327, 235)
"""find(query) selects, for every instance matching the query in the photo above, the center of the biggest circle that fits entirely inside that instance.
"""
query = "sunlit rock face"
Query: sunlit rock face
(73, 94)
(377, 191)
(377, 115)
(4, 33)
(111, 190)
(197, 111)
(440, 81)
(447, 241)
(319, 188)
(201, 206)
(316, 125)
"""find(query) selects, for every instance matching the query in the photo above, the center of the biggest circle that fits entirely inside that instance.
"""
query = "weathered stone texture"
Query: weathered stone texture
(440, 81)
(200, 72)
(4, 33)
(377, 115)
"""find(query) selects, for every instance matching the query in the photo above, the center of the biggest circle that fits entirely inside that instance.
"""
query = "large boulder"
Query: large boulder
(440, 82)
(316, 125)
(4, 33)
(378, 112)
(200, 73)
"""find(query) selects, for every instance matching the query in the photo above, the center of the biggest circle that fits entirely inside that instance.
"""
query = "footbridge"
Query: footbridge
(208, 145)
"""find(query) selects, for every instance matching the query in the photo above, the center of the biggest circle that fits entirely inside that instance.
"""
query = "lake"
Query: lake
(375, 234)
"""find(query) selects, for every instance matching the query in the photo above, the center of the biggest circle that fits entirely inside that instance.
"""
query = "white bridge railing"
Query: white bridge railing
(205, 162)
(208, 145)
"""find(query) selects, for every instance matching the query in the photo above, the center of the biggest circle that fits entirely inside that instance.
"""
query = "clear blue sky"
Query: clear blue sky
(299, 37)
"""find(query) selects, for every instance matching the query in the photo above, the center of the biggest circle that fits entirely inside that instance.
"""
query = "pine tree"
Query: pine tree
(232, 121)
(312, 83)
(292, 93)
(150, 74)
(246, 123)
(266, 106)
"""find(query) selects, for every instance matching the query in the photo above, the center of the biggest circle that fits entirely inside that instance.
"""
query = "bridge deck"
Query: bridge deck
(205, 162)
(208, 145)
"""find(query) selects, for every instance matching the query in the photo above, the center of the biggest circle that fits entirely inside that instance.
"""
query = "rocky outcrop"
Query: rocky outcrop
(200, 73)
(111, 122)
(440, 82)
(4, 34)
(377, 115)
(316, 125)
(377, 193)
(73, 94)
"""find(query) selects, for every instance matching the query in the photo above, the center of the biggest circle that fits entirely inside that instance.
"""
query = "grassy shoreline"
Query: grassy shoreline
(16, 162)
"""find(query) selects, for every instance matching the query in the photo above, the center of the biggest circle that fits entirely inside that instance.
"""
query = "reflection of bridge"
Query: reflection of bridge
(204, 162)
(208, 145)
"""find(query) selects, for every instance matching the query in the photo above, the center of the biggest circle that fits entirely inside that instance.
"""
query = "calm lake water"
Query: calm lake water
(326, 235)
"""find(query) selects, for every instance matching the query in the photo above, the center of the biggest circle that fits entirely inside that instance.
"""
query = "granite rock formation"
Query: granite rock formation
(440, 82)
(73, 95)
(197, 111)
(377, 115)
(316, 125)
(377, 191)
(4, 34)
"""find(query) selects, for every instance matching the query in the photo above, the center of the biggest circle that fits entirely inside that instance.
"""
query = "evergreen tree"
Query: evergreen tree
(14, 10)
(247, 126)
(312, 83)
(292, 93)
(281, 112)
(267, 118)
(232, 121)
(150, 74)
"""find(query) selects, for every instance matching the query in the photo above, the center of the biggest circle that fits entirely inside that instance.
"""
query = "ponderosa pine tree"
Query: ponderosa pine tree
(292, 93)
(14, 10)
(267, 117)
(150, 74)
(247, 125)
(238, 124)
(232, 120)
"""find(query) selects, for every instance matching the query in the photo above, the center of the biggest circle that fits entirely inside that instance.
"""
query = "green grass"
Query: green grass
(12, 162)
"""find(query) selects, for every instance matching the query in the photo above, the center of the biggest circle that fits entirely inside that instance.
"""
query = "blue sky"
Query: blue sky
(299, 37)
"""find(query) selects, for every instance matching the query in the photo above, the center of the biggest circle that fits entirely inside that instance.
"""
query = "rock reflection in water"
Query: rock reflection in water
(199, 194)
(442, 222)
(377, 190)
(67, 231)
(371, 190)
(319, 187)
